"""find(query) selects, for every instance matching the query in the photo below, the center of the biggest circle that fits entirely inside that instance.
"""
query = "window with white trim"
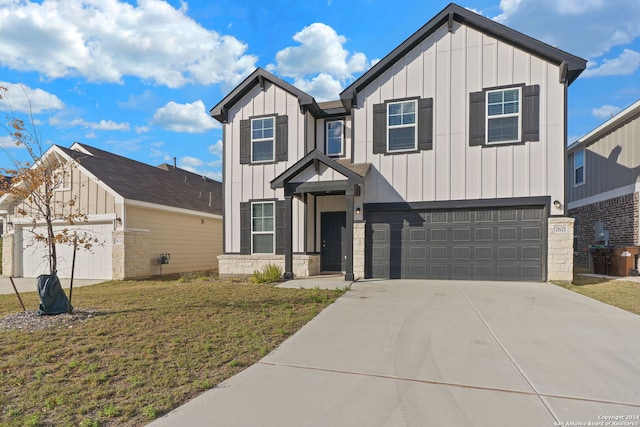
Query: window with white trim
(401, 126)
(503, 115)
(578, 167)
(262, 227)
(334, 130)
(262, 139)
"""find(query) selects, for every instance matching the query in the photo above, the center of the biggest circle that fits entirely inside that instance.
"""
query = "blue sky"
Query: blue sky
(138, 78)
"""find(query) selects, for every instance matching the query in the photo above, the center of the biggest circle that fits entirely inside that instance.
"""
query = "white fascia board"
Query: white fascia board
(607, 195)
(91, 219)
(156, 206)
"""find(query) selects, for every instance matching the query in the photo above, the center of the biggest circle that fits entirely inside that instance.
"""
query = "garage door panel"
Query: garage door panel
(93, 264)
(486, 244)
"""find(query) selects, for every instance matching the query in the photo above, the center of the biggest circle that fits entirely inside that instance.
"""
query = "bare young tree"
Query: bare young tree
(32, 187)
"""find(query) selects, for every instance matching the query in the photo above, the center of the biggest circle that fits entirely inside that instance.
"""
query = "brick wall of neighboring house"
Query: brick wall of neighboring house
(618, 215)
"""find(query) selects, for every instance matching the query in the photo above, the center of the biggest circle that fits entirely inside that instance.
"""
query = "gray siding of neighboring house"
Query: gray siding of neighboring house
(448, 66)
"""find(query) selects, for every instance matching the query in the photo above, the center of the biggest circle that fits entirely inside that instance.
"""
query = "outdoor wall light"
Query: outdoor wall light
(358, 210)
(557, 204)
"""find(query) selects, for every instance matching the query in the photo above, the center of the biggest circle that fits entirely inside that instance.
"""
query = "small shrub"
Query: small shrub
(269, 274)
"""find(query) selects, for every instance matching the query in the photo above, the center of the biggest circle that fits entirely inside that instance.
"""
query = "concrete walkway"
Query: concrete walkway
(30, 284)
(440, 353)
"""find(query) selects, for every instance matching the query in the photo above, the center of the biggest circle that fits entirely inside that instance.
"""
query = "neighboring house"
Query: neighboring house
(603, 187)
(441, 161)
(137, 212)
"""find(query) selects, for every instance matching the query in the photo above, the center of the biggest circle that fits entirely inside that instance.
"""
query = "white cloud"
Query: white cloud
(587, 28)
(189, 118)
(216, 149)
(324, 87)
(320, 64)
(139, 102)
(605, 112)
(23, 99)
(101, 125)
(103, 41)
(624, 65)
(190, 161)
(210, 170)
(141, 129)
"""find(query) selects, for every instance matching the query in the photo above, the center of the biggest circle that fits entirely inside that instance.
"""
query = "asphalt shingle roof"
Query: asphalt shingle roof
(163, 185)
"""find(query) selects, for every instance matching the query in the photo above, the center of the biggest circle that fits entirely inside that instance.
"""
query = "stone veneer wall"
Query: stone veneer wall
(7, 255)
(130, 254)
(618, 215)
(304, 265)
(560, 249)
(358, 250)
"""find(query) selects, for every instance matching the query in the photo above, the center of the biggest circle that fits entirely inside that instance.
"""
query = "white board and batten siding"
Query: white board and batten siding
(448, 66)
(250, 182)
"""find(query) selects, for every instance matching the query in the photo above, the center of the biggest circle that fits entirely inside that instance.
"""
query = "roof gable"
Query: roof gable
(572, 65)
(258, 77)
(624, 116)
(316, 156)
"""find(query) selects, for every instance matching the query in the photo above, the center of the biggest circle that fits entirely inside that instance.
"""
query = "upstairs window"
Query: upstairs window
(503, 116)
(578, 167)
(262, 227)
(334, 138)
(401, 126)
(262, 140)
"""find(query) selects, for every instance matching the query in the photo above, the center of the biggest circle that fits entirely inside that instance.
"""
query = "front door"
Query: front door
(332, 227)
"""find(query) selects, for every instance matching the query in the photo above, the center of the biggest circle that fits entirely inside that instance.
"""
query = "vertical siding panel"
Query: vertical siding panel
(400, 78)
(504, 171)
(521, 170)
(474, 71)
(458, 112)
(489, 61)
(430, 86)
(488, 172)
(442, 145)
(552, 119)
(385, 188)
(537, 156)
(505, 64)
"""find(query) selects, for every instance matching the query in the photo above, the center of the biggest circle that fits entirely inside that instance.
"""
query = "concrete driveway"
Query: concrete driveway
(30, 284)
(440, 353)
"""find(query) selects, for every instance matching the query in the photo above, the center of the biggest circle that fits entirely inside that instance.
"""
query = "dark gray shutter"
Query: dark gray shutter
(425, 124)
(282, 138)
(531, 113)
(476, 118)
(245, 142)
(245, 228)
(379, 128)
(281, 205)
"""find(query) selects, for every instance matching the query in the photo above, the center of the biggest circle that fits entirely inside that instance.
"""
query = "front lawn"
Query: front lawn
(620, 293)
(141, 348)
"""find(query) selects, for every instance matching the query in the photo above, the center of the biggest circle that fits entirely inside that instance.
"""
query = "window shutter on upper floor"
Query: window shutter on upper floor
(245, 142)
(245, 228)
(280, 229)
(476, 118)
(531, 113)
(379, 128)
(282, 138)
(425, 124)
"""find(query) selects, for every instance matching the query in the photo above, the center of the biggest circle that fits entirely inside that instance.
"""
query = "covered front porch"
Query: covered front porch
(331, 193)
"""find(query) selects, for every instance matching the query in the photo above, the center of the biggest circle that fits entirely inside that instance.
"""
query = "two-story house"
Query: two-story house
(445, 160)
(603, 186)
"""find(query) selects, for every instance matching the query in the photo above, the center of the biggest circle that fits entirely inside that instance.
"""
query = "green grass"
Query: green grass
(620, 293)
(152, 346)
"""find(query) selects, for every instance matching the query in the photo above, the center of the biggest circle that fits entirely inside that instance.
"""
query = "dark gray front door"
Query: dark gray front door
(464, 244)
(332, 227)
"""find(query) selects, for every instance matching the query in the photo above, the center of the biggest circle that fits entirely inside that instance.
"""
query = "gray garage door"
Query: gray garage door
(487, 244)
